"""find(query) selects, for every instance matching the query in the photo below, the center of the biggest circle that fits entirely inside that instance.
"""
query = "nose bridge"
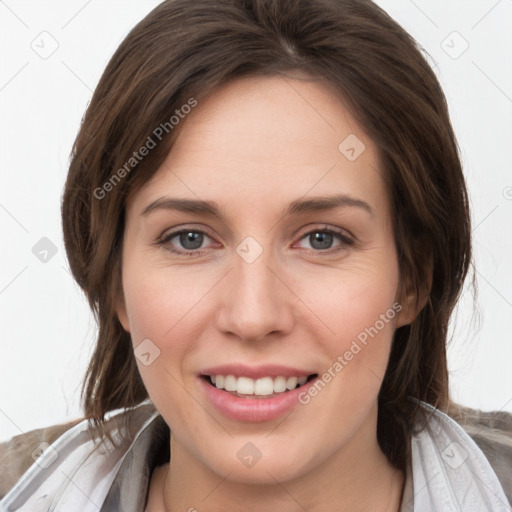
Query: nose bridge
(255, 302)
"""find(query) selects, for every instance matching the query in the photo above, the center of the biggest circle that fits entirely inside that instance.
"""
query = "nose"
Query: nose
(256, 301)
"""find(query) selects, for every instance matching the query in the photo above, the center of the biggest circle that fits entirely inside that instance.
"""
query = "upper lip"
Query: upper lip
(256, 372)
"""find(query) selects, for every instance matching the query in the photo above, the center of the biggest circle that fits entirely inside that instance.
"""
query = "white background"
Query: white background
(46, 329)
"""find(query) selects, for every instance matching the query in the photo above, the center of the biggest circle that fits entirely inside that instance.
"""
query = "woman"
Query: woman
(266, 209)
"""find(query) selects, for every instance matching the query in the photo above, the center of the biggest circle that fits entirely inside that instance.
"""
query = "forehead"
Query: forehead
(266, 139)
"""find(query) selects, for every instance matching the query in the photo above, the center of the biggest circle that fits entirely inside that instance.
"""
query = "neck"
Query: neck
(356, 478)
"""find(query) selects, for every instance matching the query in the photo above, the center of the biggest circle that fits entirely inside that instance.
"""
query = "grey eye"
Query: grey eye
(321, 240)
(191, 240)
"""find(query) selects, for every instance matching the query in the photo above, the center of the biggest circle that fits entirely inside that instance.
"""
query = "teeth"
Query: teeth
(230, 383)
(245, 386)
(279, 384)
(260, 387)
(291, 383)
(264, 386)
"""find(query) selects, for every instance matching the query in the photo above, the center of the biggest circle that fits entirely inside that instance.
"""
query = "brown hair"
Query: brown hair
(183, 50)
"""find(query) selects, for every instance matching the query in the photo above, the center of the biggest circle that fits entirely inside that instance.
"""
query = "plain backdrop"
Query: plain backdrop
(52, 55)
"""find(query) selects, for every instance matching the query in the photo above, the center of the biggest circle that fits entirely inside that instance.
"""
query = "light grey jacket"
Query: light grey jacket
(448, 471)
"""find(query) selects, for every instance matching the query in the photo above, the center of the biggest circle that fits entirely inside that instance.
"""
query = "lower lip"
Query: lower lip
(253, 409)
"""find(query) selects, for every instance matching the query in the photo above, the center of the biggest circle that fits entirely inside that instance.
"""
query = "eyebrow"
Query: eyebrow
(210, 208)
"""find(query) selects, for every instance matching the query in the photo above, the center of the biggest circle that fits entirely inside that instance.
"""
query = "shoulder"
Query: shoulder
(20, 452)
(453, 465)
(492, 432)
(463, 457)
(38, 461)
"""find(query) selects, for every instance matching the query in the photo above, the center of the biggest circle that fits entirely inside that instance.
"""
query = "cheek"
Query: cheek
(160, 303)
(358, 318)
(361, 316)
(163, 308)
(169, 308)
(351, 300)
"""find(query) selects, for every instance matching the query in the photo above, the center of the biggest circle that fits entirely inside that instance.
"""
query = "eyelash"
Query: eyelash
(346, 241)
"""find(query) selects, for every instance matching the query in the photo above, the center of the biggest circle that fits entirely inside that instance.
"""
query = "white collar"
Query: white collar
(447, 471)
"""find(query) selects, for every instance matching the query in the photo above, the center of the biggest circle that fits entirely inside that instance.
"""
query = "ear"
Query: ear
(413, 301)
(122, 314)
(118, 299)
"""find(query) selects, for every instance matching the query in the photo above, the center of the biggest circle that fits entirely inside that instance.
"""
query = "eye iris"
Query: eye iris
(325, 240)
(196, 240)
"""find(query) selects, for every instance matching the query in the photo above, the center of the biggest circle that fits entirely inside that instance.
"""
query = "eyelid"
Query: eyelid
(169, 234)
(326, 227)
(346, 238)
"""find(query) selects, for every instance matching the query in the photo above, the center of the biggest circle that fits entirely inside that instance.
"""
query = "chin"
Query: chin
(259, 460)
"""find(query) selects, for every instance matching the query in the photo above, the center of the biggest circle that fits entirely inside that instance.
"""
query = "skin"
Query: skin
(253, 146)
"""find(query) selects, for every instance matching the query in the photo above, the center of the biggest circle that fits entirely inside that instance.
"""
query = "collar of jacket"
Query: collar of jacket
(447, 471)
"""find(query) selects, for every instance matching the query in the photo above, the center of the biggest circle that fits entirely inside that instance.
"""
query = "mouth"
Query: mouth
(261, 388)
(255, 393)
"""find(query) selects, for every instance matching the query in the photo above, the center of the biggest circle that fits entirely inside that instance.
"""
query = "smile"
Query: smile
(254, 394)
(256, 388)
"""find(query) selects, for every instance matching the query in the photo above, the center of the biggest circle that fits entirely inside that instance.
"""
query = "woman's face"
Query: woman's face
(286, 270)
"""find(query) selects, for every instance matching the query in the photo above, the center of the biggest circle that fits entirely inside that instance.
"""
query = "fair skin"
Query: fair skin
(254, 146)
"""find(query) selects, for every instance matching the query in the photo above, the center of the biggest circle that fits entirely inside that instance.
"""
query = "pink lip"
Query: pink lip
(253, 409)
(256, 372)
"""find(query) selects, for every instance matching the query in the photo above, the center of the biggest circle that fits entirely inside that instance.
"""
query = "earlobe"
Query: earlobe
(410, 309)
(122, 315)
(120, 305)
(414, 302)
